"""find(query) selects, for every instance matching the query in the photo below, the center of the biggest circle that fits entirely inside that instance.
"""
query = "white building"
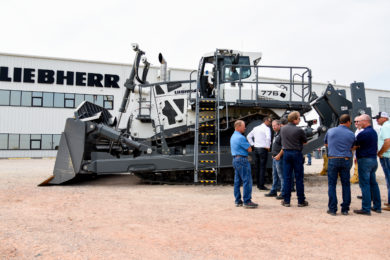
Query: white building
(37, 94)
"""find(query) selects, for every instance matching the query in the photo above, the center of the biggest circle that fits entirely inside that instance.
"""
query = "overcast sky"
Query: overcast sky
(342, 41)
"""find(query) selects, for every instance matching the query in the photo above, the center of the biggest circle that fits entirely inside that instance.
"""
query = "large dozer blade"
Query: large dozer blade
(70, 153)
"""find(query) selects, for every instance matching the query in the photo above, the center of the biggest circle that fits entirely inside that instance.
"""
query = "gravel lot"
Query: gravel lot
(116, 217)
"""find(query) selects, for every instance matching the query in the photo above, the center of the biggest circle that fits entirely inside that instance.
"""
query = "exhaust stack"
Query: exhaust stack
(163, 68)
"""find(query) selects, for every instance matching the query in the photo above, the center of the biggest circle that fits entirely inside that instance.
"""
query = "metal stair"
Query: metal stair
(206, 145)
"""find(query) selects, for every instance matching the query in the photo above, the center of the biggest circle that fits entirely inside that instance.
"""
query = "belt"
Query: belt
(335, 157)
(239, 156)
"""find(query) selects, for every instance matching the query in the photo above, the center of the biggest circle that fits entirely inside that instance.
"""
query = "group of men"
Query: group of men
(341, 142)
(287, 160)
(287, 157)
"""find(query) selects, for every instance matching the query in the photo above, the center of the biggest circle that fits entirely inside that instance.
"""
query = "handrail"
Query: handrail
(189, 94)
(305, 81)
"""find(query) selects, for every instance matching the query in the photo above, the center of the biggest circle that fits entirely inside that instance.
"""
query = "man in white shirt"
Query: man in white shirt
(355, 177)
(260, 138)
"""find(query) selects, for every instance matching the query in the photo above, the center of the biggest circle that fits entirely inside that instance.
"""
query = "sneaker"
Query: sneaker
(376, 210)
(279, 197)
(285, 204)
(331, 213)
(239, 204)
(362, 212)
(251, 205)
(345, 213)
(270, 194)
(303, 204)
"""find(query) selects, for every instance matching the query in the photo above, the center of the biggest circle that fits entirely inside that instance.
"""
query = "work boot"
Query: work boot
(303, 204)
(279, 197)
(239, 204)
(325, 165)
(362, 212)
(355, 177)
(251, 205)
(271, 194)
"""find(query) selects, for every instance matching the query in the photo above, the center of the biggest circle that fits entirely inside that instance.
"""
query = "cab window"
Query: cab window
(235, 71)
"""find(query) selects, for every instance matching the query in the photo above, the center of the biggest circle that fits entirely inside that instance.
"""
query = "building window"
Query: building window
(24, 142)
(79, 99)
(29, 142)
(108, 102)
(16, 97)
(56, 141)
(37, 99)
(59, 99)
(69, 100)
(13, 142)
(47, 142)
(98, 100)
(3, 141)
(26, 98)
(48, 99)
(384, 104)
(89, 98)
(4, 97)
(35, 142)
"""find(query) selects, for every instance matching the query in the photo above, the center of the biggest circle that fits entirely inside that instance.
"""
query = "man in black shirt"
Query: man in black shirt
(293, 139)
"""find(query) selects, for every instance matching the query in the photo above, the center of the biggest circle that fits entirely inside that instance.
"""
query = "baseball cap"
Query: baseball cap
(381, 114)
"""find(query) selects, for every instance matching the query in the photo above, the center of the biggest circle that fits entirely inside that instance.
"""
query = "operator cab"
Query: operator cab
(232, 66)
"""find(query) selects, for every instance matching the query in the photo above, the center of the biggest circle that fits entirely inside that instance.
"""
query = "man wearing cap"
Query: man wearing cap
(366, 154)
(339, 141)
(384, 150)
(242, 168)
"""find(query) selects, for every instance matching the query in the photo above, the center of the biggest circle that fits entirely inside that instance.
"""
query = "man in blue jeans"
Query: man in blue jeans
(339, 141)
(260, 139)
(277, 163)
(308, 159)
(293, 139)
(384, 150)
(366, 154)
(239, 149)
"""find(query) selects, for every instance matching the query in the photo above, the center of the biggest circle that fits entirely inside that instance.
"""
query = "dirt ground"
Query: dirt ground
(116, 217)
